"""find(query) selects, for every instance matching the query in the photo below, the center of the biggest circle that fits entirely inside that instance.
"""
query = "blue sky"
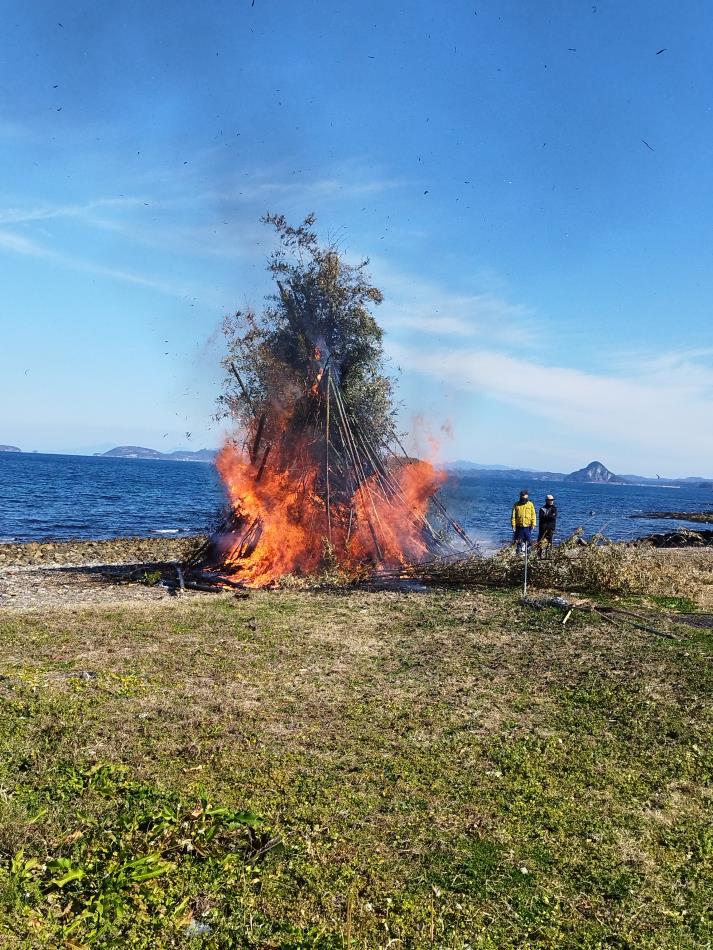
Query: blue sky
(547, 274)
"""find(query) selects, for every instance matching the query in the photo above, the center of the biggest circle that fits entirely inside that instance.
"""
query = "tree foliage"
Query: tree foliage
(318, 319)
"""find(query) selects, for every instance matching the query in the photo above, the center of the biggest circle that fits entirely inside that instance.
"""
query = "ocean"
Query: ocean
(483, 507)
(60, 497)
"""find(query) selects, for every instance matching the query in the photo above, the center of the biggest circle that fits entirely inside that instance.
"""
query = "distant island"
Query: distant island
(596, 473)
(140, 452)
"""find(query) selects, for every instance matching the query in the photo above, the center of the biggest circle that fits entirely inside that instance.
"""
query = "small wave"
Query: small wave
(166, 531)
(7, 540)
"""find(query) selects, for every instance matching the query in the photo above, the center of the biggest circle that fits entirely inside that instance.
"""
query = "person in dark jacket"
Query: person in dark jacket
(548, 525)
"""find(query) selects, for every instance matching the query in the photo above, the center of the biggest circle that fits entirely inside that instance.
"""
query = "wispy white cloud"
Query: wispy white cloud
(413, 304)
(18, 244)
(177, 212)
(461, 315)
(350, 179)
(223, 222)
(49, 211)
(661, 407)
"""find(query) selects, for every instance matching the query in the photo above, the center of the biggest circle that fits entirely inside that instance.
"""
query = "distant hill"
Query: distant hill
(200, 455)
(130, 452)
(474, 473)
(465, 470)
(9, 448)
(140, 452)
(463, 465)
(596, 473)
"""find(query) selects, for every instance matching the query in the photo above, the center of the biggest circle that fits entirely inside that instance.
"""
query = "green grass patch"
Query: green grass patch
(309, 769)
(133, 859)
(682, 605)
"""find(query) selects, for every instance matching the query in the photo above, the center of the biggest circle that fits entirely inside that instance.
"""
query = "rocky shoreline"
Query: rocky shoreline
(128, 571)
(78, 574)
(697, 517)
(88, 553)
(681, 538)
(139, 550)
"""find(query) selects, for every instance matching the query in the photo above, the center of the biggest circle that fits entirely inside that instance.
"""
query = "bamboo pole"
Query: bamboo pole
(236, 374)
(329, 504)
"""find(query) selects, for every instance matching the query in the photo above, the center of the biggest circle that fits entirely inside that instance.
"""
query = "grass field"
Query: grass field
(333, 770)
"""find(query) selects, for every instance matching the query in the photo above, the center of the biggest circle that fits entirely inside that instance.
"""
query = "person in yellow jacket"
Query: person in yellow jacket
(523, 520)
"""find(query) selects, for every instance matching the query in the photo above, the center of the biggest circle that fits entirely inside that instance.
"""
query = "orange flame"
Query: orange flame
(396, 520)
(282, 525)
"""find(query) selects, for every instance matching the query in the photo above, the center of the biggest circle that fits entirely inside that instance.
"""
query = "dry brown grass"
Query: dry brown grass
(598, 567)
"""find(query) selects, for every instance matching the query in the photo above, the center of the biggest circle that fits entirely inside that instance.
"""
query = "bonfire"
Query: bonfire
(316, 475)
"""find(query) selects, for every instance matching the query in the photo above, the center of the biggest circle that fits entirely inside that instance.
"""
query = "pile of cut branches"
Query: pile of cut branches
(595, 566)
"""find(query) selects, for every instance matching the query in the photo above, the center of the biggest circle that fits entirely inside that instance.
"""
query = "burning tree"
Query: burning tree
(318, 468)
(319, 320)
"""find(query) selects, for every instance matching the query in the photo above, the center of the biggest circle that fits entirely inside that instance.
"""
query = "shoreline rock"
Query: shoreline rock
(683, 538)
(84, 552)
(699, 517)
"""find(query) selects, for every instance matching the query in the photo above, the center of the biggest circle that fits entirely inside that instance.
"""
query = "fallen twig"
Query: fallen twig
(209, 577)
(622, 616)
(626, 614)
(205, 588)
